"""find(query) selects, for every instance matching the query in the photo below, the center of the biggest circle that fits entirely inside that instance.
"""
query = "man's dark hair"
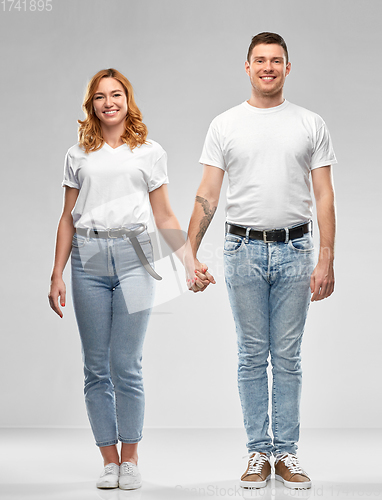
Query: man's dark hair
(267, 38)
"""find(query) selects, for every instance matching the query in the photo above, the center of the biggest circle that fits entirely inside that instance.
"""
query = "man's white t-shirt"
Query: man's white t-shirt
(268, 155)
(114, 184)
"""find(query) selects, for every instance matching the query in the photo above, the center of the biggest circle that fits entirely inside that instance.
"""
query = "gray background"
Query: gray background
(185, 60)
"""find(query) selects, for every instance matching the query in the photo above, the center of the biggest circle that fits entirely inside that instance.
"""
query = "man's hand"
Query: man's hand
(197, 276)
(201, 279)
(206, 203)
(322, 280)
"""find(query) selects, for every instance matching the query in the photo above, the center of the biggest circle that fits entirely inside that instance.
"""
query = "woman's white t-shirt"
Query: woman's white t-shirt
(268, 155)
(114, 184)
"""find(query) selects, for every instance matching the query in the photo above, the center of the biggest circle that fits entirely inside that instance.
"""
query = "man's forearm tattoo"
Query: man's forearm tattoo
(205, 222)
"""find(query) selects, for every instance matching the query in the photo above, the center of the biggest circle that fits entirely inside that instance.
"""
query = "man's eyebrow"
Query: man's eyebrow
(263, 57)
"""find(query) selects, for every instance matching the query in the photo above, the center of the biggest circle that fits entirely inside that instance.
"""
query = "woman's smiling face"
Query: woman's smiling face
(110, 102)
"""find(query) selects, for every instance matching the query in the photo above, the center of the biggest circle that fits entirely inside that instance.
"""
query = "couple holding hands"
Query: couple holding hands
(272, 150)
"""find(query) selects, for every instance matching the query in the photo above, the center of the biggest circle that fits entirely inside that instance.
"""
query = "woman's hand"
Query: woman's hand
(57, 289)
(204, 278)
(197, 275)
(65, 233)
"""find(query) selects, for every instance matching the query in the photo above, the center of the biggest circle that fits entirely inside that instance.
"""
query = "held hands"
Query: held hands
(197, 276)
(57, 289)
(201, 278)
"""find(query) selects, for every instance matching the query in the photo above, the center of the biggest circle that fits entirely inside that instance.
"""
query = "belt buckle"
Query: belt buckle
(265, 237)
(113, 229)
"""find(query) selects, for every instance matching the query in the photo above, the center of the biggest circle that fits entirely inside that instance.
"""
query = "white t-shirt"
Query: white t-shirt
(268, 155)
(114, 184)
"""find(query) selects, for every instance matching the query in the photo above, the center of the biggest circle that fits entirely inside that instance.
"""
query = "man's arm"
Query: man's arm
(206, 202)
(322, 279)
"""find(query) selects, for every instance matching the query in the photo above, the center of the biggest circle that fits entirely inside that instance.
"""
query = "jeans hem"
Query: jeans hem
(107, 443)
(292, 451)
(267, 452)
(130, 441)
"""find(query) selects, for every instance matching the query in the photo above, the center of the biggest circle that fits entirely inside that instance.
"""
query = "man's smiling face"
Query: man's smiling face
(267, 69)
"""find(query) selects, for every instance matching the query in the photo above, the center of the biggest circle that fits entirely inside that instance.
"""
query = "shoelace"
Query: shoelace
(127, 468)
(291, 461)
(256, 463)
(109, 469)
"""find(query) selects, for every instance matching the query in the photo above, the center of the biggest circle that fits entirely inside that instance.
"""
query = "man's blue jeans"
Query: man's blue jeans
(112, 297)
(269, 291)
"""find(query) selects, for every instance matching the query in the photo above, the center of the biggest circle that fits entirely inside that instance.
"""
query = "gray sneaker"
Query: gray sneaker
(129, 476)
(109, 477)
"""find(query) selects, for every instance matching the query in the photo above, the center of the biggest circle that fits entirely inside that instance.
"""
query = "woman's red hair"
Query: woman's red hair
(90, 132)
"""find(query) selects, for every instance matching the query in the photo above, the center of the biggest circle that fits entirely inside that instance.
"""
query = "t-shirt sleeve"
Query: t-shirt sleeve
(69, 175)
(212, 153)
(158, 175)
(323, 152)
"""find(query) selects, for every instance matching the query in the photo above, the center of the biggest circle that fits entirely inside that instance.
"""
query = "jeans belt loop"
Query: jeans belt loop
(286, 235)
(87, 234)
(247, 231)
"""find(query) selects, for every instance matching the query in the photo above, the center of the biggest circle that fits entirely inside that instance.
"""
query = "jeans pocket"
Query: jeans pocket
(78, 241)
(232, 244)
(304, 244)
(147, 248)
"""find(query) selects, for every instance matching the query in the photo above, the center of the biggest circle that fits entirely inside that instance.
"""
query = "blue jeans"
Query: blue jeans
(112, 297)
(269, 293)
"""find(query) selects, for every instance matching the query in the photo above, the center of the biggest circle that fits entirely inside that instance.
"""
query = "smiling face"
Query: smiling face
(267, 70)
(110, 103)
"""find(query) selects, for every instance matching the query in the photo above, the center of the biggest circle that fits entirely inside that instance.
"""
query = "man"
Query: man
(270, 148)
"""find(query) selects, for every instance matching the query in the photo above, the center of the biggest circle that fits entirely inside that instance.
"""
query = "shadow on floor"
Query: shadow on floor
(222, 489)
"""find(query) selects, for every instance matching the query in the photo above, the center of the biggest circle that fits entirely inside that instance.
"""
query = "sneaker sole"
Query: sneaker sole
(107, 486)
(294, 486)
(254, 484)
(133, 486)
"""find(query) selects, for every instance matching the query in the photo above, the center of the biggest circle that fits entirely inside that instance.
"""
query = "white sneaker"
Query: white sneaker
(129, 476)
(109, 477)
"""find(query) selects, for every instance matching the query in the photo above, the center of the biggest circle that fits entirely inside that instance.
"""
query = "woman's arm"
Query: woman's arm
(166, 221)
(65, 233)
(168, 225)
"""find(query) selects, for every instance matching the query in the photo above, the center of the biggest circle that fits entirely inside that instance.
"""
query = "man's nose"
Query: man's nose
(268, 66)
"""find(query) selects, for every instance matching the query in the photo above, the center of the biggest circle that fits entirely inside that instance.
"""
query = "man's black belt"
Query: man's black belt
(120, 233)
(271, 235)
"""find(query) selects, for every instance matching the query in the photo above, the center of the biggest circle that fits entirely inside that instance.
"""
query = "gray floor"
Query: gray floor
(57, 464)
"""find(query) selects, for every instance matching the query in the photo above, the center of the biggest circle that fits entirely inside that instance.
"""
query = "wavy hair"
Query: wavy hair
(90, 131)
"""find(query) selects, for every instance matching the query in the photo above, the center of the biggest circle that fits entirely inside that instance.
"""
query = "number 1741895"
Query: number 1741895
(27, 5)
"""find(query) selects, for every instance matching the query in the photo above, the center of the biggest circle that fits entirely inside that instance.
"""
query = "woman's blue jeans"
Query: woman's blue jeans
(112, 297)
(269, 291)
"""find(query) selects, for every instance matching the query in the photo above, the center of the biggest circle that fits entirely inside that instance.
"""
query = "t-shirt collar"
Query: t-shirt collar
(263, 111)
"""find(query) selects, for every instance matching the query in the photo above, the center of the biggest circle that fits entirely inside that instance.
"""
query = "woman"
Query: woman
(111, 177)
